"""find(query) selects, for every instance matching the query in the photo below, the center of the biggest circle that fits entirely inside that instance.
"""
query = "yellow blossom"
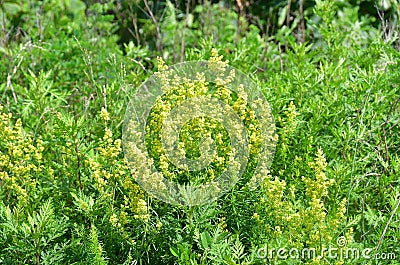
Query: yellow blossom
(104, 114)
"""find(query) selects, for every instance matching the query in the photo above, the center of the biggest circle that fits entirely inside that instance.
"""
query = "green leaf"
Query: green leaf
(282, 16)
(174, 251)
(205, 240)
(12, 8)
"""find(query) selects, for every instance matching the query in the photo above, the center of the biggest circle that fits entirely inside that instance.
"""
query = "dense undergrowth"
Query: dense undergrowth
(68, 196)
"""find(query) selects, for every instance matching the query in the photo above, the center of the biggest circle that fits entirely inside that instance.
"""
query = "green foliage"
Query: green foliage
(34, 238)
(67, 72)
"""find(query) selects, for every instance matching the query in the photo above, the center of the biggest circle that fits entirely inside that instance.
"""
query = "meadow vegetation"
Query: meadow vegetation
(68, 69)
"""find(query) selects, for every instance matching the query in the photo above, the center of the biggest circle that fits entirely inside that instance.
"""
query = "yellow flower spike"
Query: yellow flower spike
(20, 157)
(161, 64)
(104, 114)
(215, 62)
(113, 220)
(158, 225)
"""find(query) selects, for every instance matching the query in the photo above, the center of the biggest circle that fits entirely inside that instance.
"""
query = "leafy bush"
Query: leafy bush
(68, 196)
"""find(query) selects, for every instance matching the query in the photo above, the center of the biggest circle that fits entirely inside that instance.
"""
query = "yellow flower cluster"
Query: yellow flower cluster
(319, 187)
(303, 222)
(109, 150)
(164, 74)
(177, 90)
(142, 211)
(222, 224)
(104, 114)
(20, 159)
(210, 108)
(216, 63)
(206, 127)
(109, 170)
(289, 124)
(316, 191)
